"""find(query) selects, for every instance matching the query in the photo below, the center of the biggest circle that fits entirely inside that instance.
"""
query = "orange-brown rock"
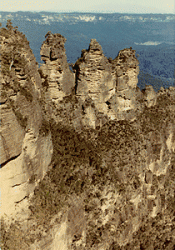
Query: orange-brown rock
(111, 84)
(25, 152)
(55, 71)
(149, 96)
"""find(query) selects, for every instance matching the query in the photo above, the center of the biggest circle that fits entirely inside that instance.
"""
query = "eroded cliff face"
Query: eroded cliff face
(111, 188)
(111, 183)
(25, 152)
(56, 74)
(95, 77)
(111, 84)
(98, 90)
(125, 102)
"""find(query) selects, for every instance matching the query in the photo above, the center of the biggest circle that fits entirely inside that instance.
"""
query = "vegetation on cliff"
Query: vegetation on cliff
(85, 164)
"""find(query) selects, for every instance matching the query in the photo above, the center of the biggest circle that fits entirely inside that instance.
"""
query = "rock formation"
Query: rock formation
(104, 89)
(149, 96)
(25, 152)
(56, 73)
(110, 84)
(95, 77)
(90, 156)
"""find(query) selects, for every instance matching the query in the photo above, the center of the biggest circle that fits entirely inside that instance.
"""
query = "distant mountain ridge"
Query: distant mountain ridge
(49, 17)
(156, 81)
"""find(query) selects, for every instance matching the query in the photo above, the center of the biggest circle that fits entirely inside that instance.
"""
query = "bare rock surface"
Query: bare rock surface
(149, 96)
(56, 73)
(94, 76)
(111, 84)
(12, 134)
(25, 152)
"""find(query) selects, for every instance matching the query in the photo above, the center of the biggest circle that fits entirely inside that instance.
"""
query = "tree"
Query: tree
(110, 59)
(15, 29)
(9, 24)
(48, 33)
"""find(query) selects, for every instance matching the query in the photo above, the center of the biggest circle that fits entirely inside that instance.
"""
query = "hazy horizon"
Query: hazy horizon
(91, 6)
(85, 12)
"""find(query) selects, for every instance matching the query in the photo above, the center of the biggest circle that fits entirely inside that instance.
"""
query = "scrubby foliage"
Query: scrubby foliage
(77, 163)
(45, 128)
(155, 118)
(14, 48)
(86, 162)
(71, 151)
(14, 238)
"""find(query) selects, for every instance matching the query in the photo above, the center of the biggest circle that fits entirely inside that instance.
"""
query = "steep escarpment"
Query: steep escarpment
(111, 184)
(94, 75)
(25, 152)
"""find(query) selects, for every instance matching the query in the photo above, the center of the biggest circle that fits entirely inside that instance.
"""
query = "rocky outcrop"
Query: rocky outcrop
(149, 96)
(57, 76)
(111, 84)
(20, 88)
(12, 134)
(95, 77)
(103, 88)
(124, 103)
(25, 152)
(108, 86)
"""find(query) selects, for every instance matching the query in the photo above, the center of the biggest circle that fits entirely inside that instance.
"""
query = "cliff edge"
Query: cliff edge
(25, 152)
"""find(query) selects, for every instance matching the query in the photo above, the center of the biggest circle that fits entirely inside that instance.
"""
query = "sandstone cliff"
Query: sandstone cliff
(55, 71)
(111, 182)
(25, 152)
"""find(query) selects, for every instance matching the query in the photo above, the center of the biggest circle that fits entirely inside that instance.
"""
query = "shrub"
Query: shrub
(21, 119)
(45, 128)
(27, 94)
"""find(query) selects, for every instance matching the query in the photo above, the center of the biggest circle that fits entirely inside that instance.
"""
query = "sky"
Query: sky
(103, 6)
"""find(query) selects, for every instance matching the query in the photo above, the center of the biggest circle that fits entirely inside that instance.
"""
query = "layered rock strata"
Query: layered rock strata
(25, 152)
(111, 84)
(124, 103)
(56, 74)
(95, 77)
